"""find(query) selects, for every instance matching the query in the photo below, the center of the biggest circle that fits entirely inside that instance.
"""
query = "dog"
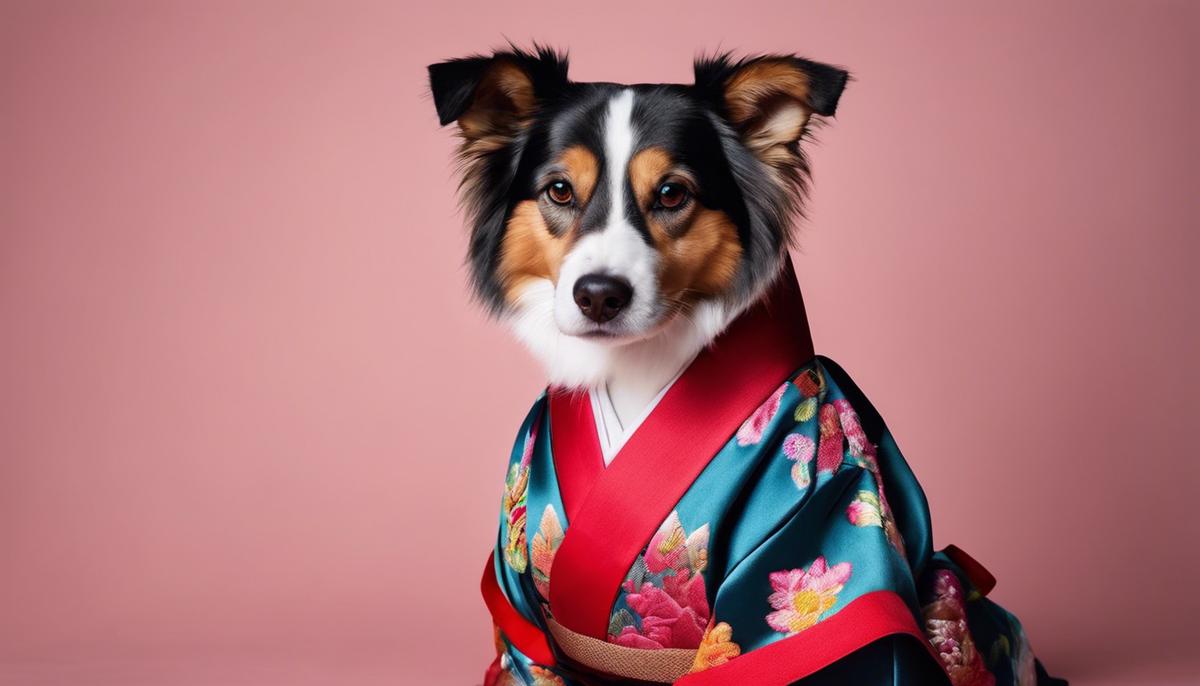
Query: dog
(697, 498)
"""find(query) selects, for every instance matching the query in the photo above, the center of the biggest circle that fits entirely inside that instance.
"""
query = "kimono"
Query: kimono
(759, 527)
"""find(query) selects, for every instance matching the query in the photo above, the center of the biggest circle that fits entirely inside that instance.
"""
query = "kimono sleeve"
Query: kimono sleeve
(523, 656)
(828, 596)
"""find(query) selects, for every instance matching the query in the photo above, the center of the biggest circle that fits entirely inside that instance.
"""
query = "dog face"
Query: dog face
(608, 211)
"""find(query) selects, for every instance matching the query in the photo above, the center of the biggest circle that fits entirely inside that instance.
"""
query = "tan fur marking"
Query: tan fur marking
(646, 170)
(502, 103)
(529, 251)
(700, 249)
(583, 168)
(745, 92)
(768, 102)
(703, 261)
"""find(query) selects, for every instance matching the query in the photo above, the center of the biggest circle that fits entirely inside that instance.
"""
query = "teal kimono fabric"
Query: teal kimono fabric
(761, 527)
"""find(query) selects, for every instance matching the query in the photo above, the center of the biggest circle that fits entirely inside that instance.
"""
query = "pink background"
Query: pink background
(252, 433)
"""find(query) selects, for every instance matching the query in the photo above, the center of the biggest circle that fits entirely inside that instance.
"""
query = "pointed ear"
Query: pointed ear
(769, 100)
(494, 97)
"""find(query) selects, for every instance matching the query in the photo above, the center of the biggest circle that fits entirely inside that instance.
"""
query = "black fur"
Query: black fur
(453, 82)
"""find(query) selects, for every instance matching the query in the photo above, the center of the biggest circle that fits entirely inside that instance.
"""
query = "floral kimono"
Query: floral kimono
(759, 527)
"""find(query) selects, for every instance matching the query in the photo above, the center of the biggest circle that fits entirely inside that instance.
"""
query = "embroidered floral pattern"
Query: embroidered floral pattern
(716, 648)
(864, 510)
(829, 450)
(806, 410)
(513, 508)
(545, 677)
(852, 429)
(545, 543)
(663, 602)
(864, 453)
(868, 510)
(946, 627)
(893, 533)
(802, 595)
(507, 678)
(751, 431)
(541, 677)
(810, 383)
(800, 449)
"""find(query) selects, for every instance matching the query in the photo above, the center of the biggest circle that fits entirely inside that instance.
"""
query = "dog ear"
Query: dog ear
(769, 100)
(492, 98)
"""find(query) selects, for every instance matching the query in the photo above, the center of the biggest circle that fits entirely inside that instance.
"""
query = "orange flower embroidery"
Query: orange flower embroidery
(716, 648)
(545, 544)
(545, 677)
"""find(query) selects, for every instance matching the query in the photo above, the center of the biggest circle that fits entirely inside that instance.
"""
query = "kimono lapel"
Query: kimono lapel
(575, 445)
(613, 512)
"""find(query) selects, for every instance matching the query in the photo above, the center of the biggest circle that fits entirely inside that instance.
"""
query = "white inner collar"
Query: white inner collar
(612, 430)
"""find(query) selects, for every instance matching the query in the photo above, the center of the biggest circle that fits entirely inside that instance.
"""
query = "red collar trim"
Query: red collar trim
(575, 445)
(613, 512)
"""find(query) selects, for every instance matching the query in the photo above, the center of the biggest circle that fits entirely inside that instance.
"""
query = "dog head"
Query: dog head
(604, 216)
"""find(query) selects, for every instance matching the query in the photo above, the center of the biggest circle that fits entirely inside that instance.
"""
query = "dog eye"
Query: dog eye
(672, 196)
(560, 193)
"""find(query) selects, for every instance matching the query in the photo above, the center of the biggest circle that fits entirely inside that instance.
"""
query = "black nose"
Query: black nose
(601, 297)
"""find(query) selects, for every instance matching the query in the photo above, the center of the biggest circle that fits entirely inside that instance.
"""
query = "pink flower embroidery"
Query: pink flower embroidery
(829, 451)
(868, 509)
(864, 510)
(751, 431)
(665, 622)
(865, 454)
(799, 449)
(802, 595)
(545, 545)
(664, 594)
(852, 428)
(946, 627)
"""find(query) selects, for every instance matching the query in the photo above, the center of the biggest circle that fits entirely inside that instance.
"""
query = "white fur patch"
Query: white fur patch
(639, 368)
(617, 249)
